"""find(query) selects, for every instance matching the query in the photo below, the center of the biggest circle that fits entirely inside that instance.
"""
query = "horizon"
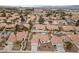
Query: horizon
(38, 5)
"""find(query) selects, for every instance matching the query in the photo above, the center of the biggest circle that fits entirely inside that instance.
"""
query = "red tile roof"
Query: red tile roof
(74, 38)
(42, 37)
(56, 40)
(12, 37)
(39, 26)
(21, 35)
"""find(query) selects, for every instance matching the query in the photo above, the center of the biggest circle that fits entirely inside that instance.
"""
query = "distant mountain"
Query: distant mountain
(76, 7)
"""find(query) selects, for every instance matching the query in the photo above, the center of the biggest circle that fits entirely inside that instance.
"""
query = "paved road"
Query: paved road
(60, 48)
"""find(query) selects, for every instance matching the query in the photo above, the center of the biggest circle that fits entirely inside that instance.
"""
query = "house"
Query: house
(77, 28)
(21, 35)
(52, 27)
(44, 38)
(12, 37)
(38, 27)
(68, 28)
(10, 27)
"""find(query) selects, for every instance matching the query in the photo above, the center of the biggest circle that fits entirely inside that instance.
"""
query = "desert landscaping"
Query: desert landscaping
(39, 30)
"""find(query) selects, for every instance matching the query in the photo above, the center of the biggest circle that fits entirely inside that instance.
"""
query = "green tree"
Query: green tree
(68, 45)
(41, 20)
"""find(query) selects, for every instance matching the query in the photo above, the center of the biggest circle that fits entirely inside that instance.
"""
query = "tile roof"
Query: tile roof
(74, 38)
(42, 37)
(68, 28)
(12, 37)
(56, 40)
(39, 26)
(21, 35)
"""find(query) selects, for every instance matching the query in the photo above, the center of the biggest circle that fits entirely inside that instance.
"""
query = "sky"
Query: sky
(37, 2)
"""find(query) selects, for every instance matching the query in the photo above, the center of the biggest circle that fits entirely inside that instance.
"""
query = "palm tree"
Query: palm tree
(4, 13)
(70, 15)
(68, 45)
(41, 20)
(22, 18)
(17, 45)
(77, 23)
(15, 32)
